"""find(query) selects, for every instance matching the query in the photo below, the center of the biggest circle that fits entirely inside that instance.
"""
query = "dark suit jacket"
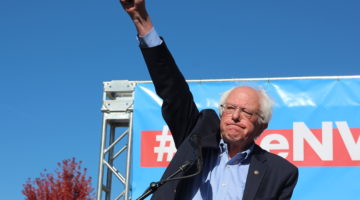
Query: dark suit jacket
(269, 176)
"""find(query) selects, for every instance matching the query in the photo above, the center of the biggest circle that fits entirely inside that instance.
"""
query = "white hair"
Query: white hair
(266, 104)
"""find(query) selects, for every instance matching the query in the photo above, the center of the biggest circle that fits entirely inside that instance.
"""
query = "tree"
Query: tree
(70, 183)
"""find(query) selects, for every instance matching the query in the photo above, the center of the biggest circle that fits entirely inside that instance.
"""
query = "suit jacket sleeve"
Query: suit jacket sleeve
(178, 109)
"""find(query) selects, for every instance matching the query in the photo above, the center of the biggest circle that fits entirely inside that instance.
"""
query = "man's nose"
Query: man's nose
(236, 116)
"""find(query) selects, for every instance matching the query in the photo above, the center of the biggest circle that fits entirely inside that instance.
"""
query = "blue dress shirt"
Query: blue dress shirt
(222, 177)
(150, 39)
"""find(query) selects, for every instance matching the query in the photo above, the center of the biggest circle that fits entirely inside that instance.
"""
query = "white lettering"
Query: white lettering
(282, 143)
(301, 133)
(349, 141)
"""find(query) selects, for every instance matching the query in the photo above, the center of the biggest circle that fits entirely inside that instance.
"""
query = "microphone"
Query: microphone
(195, 143)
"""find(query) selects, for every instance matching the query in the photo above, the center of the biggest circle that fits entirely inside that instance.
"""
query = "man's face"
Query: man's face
(237, 128)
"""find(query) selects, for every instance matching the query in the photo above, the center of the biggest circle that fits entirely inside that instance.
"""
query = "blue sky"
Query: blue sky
(54, 56)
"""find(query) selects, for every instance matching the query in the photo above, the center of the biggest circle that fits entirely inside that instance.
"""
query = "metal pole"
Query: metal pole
(129, 156)
(110, 161)
(101, 165)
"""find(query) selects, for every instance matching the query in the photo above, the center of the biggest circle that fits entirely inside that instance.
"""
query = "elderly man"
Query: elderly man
(234, 166)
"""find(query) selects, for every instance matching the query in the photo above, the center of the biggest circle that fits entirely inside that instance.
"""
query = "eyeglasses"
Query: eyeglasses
(229, 109)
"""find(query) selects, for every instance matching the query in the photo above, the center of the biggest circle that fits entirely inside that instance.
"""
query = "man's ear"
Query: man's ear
(220, 115)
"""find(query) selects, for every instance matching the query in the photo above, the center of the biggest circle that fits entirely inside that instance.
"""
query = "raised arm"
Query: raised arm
(178, 109)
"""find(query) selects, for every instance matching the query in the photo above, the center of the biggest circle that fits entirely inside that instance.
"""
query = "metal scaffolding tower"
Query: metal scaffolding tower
(116, 137)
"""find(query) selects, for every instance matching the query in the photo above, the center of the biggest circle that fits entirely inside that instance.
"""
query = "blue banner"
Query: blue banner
(315, 126)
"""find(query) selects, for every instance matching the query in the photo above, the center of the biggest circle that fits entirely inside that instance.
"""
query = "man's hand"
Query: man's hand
(133, 6)
(137, 12)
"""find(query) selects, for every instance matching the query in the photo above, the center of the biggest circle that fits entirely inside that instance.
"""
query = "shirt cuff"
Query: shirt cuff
(150, 39)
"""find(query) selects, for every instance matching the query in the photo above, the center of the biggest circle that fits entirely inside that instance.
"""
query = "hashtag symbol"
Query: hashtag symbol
(162, 149)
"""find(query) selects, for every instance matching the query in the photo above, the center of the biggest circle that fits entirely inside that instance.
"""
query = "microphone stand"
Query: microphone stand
(195, 142)
(155, 185)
